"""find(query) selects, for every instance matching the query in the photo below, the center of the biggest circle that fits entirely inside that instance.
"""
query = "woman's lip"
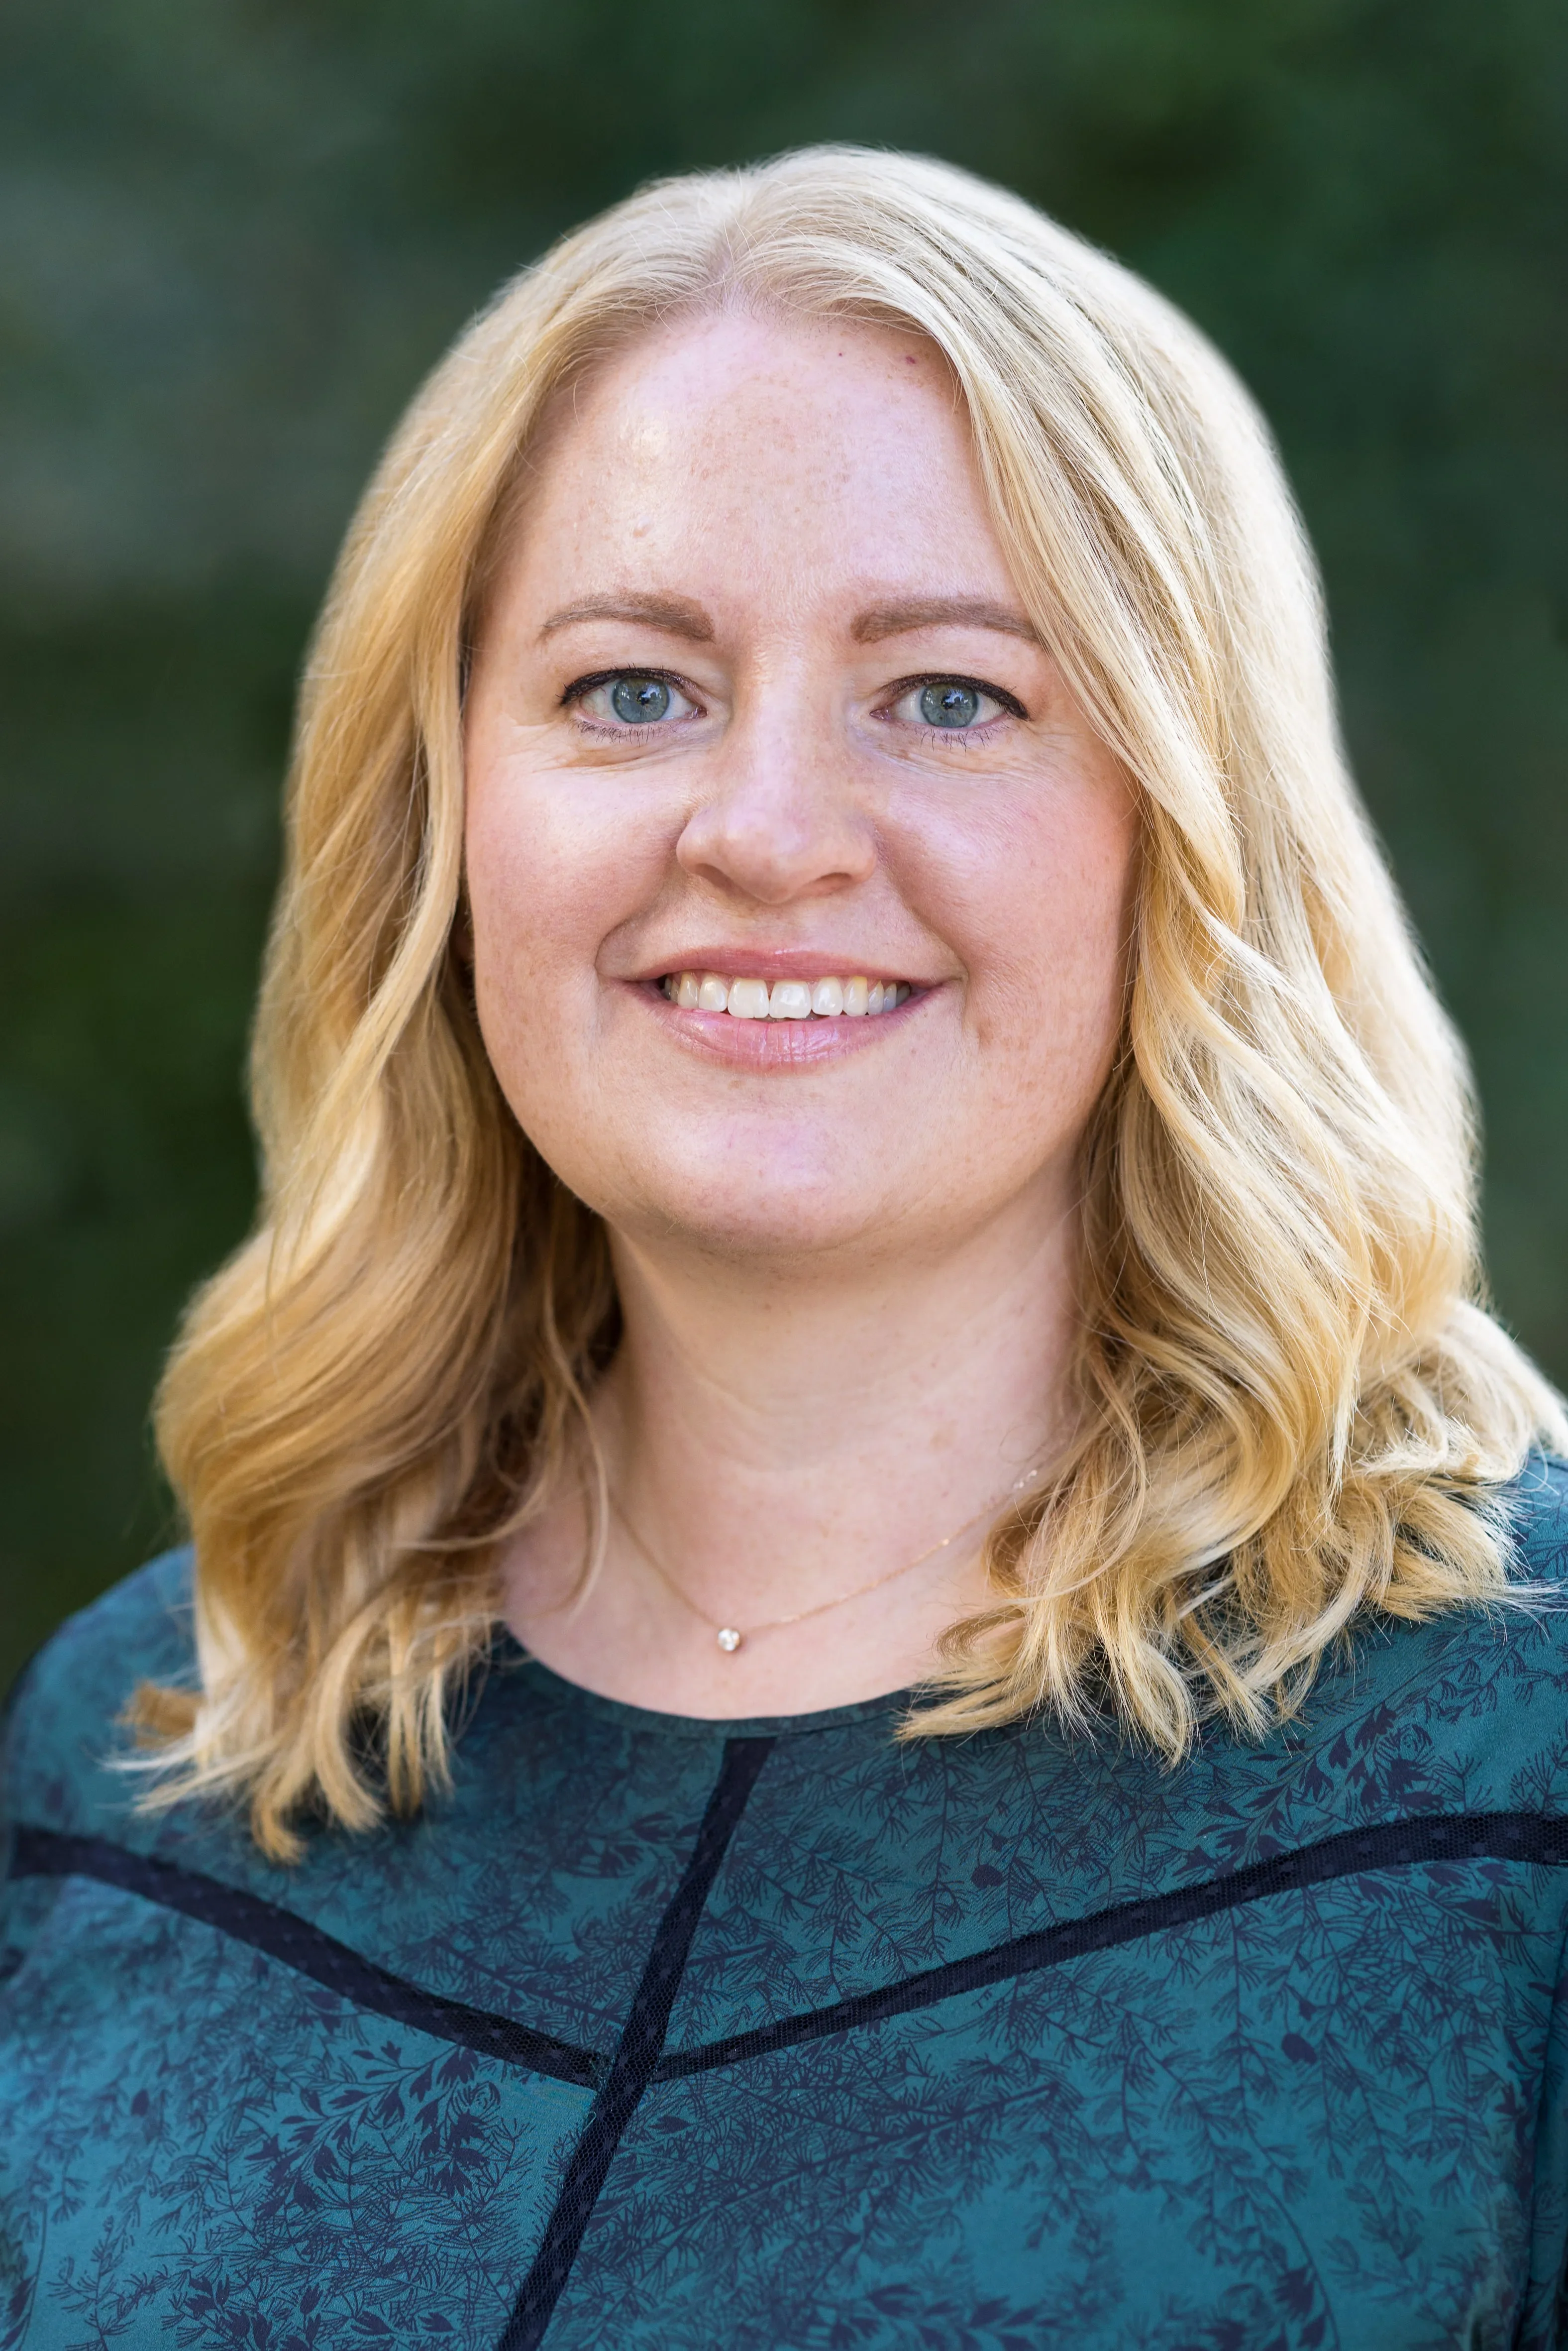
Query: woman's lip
(775, 963)
(771, 1044)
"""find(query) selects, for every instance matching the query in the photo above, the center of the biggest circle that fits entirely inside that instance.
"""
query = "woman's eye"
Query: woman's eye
(954, 704)
(630, 697)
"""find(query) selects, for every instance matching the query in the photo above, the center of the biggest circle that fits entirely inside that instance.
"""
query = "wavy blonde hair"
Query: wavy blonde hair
(1294, 1402)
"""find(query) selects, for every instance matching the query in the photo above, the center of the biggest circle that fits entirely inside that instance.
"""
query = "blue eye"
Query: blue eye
(630, 697)
(953, 706)
(947, 703)
(637, 700)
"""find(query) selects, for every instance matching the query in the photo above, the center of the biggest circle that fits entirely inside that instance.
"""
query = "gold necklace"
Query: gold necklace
(729, 1638)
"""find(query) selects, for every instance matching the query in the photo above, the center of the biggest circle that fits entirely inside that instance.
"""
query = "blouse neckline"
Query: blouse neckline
(516, 1666)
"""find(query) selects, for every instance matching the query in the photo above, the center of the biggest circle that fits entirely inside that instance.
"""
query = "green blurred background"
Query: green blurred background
(234, 235)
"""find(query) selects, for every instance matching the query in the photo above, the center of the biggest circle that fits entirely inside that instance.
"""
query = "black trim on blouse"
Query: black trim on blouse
(619, 2077)
(1430, 1839)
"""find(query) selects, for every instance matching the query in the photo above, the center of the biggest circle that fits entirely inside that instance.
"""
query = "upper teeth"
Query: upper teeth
(786, 1000)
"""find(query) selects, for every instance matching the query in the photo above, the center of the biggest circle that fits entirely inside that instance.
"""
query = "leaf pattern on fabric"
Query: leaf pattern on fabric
(1331, 2118)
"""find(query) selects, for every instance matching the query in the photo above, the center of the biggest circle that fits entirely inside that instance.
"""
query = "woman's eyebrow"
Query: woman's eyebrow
(935, 611)
(677, 615)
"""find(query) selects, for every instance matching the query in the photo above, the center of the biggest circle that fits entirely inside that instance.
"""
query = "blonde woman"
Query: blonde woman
(867, 1656)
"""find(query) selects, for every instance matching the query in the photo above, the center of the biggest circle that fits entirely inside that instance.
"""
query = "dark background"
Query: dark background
(234, 235)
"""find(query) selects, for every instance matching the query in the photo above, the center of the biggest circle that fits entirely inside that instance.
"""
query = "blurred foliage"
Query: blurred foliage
(232, 237)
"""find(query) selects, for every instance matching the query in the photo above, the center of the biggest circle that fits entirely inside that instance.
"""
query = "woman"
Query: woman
(859, 1666)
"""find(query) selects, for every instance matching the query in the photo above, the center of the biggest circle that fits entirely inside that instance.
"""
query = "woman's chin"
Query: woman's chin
(774, 1222)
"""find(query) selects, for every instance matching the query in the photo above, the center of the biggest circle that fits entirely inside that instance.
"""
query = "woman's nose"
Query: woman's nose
(781, 821)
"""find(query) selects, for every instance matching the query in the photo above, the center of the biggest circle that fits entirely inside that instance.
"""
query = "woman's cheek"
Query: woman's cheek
(548, 876)
(1031, 887)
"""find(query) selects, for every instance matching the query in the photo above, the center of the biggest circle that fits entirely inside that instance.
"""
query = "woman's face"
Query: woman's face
(757, 719)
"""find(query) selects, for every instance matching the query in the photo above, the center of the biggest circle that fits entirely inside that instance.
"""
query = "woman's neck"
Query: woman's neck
(777, 1438)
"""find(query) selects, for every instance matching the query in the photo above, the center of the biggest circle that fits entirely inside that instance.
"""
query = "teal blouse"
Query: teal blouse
(672, 2035)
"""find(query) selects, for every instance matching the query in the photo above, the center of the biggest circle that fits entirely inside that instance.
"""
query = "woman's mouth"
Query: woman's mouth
(830, 998)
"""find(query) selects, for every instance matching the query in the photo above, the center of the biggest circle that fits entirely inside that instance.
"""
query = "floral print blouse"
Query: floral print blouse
(673, 2035)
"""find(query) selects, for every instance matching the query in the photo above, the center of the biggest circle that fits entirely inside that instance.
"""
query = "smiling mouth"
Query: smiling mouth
(855, 998)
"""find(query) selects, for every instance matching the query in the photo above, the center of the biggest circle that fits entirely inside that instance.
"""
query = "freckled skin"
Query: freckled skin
(785, 478)
(846, 1270)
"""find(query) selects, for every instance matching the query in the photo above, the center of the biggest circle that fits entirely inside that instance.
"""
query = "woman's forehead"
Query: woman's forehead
(675, 367)
(737, 449)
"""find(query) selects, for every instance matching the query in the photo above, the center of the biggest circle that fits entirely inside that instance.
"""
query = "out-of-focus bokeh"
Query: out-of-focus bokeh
(232, 238)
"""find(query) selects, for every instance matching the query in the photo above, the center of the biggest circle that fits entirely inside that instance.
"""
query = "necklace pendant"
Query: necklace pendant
(729, 1639)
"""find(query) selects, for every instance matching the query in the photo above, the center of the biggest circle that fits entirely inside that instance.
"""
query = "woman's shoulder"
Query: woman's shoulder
(65, 1712)
(1535, 1507)
(1466, 1707)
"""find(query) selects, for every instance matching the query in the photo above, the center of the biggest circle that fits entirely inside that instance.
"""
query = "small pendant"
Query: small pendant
(729, 1639)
